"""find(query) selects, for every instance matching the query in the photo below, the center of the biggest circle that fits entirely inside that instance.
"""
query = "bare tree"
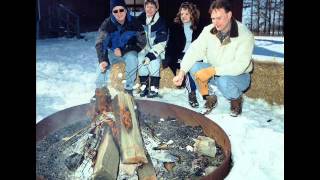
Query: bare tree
(265, 17)
(269, 17)
(258, 17)
(251, 16)
(280, 16)
(274, 16)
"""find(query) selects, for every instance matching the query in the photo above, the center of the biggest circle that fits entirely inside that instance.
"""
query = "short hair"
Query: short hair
(194, 14)
(218, 4)
(154, 2)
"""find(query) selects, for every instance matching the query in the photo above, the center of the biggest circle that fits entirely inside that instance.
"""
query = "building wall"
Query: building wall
(93, 12)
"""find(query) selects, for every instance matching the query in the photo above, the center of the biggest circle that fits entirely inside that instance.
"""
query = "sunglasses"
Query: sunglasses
(118, 10)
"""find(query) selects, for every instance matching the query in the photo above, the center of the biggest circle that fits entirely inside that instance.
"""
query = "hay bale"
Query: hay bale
(119, 69)
(166, 78)
(267, 82)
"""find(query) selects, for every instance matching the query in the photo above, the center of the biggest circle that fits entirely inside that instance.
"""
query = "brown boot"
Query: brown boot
(236, 106)
(211, 103)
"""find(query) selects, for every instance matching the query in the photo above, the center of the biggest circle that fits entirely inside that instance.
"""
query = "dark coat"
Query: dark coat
(176, 44)
(128, 37)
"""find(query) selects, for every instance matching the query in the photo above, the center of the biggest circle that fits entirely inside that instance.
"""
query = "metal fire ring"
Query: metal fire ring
(74, 114)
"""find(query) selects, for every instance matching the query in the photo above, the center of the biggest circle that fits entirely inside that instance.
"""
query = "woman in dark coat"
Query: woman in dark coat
(182, 32)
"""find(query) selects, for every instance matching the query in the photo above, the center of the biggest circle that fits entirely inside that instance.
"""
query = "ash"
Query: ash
(174, 136)
(51, 153)
(166, 141)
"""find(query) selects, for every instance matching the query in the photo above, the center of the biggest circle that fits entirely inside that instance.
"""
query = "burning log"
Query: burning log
(100, 104)
(131, 144)
(107, 162)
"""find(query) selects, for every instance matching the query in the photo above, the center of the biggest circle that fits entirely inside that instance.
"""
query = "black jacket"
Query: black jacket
(129, 36)
(176, 43)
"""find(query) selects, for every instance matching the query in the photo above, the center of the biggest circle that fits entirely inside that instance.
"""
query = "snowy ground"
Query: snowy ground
(269, 49)
(65, 78)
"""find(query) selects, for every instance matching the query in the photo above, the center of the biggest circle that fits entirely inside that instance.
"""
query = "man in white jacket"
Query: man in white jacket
(227, 47)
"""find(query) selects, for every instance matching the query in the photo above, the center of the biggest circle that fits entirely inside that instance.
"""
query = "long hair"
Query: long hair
(194, 12)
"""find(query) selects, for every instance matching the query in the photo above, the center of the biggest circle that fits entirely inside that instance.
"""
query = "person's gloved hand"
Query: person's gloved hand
(205, 74)
(203, 87)
(149, 57)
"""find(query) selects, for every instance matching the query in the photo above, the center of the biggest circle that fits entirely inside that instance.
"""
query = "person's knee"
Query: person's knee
(228, 87)
(143, 72)
(131, 56)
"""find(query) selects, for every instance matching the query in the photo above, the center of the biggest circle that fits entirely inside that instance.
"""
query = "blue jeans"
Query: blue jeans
(131, 62)
(231, 87)
(151, 69)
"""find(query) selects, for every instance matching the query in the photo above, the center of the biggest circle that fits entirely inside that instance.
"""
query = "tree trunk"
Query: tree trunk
(279, 17)
(108, 158)
(251, 21)
(265, 17)
(274, 16)
(269, 18)
(258, 15)
(131, 144)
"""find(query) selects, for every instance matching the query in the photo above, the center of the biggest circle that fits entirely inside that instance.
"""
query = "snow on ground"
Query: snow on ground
(66, 71)
(269, 48)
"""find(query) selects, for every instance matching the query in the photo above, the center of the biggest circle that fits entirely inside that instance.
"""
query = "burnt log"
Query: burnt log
(129, 136)
(101, 103)
(107, 162)
(146, 171)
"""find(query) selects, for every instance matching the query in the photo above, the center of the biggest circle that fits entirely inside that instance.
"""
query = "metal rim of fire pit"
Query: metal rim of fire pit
(75, 114)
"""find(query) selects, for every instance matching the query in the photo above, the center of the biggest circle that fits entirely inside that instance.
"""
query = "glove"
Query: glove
(205, 74)
(203, 87)
(149, 57)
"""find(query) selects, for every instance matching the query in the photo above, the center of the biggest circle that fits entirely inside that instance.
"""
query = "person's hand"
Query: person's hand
(146, 61)
(177, 80)
(117, 52)
(103, 66)
(205, 74)
(203, 87)
(149, 57)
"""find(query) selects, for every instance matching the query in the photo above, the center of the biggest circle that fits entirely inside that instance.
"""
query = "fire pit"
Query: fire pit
(66, 118)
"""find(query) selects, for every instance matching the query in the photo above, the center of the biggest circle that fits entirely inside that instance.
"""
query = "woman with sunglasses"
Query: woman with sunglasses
(121, 37)
(150, 57)
(183, 31)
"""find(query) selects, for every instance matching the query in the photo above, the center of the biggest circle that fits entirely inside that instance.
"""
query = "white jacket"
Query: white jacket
(228, 58)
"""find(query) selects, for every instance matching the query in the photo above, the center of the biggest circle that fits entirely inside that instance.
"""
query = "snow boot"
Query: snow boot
(193, 99)
(144, 80)
(154, 89)
(236, 106)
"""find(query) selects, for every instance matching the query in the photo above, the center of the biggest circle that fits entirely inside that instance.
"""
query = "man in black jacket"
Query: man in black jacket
(120, 38)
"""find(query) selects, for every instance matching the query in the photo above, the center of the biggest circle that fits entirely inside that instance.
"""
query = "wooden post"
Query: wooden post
(131, 144)
(146, 171)
(108, 158)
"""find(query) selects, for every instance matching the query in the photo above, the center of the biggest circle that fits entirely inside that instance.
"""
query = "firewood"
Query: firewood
(131, 144)
(169, 165)
(146, 171)
(107, 162)
(205, 145)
